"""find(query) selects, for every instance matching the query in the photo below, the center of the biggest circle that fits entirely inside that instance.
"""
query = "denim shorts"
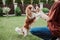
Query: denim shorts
(42, 32)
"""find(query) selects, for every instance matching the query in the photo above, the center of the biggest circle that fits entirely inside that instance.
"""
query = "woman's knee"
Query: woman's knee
(32, 31)
(40, 31)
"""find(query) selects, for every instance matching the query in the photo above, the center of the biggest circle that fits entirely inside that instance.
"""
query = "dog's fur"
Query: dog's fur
(31, 16)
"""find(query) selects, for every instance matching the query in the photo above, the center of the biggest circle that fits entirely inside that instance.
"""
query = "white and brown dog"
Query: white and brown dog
(31, 15)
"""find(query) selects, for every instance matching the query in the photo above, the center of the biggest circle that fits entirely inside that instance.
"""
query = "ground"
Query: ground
(8, 25)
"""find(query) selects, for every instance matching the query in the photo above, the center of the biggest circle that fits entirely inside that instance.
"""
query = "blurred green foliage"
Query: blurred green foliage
(18, 11)
(9, 2)
(45, 10)
(29, 1)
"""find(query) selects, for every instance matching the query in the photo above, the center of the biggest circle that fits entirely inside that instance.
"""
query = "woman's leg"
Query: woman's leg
(42, 32)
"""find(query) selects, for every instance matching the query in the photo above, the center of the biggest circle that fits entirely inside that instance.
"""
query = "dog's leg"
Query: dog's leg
(27, 24)
(24, 30)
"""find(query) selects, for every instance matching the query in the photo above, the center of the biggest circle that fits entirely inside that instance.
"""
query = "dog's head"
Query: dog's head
(31, 11)
(30, 7)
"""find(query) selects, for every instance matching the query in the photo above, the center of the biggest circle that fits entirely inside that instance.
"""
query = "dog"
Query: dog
(32, 15)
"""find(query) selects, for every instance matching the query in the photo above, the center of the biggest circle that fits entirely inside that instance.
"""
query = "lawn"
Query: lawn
(8, 25)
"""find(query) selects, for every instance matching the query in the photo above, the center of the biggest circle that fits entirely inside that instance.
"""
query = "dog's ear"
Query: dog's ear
(30, 8)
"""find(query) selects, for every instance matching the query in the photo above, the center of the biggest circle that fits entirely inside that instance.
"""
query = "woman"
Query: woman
(52, 31)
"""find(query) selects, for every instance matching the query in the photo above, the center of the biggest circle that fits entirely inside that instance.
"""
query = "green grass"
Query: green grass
(8, 25)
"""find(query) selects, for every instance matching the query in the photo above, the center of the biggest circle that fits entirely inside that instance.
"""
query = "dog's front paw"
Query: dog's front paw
(25, 32)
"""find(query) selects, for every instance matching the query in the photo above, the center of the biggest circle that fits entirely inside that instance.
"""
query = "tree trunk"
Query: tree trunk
(31, 1)
(13, 1)
(3, 1)
(46, 1)
(23, 11)
(39, 1)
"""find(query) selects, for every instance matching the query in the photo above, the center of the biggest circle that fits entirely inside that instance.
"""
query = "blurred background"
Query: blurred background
(17, 7)
(12, 15)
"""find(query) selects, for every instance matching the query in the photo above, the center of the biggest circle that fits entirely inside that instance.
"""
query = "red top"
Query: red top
(54, 22)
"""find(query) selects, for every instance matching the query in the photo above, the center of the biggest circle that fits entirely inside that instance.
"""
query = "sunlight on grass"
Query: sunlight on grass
(8, 25)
